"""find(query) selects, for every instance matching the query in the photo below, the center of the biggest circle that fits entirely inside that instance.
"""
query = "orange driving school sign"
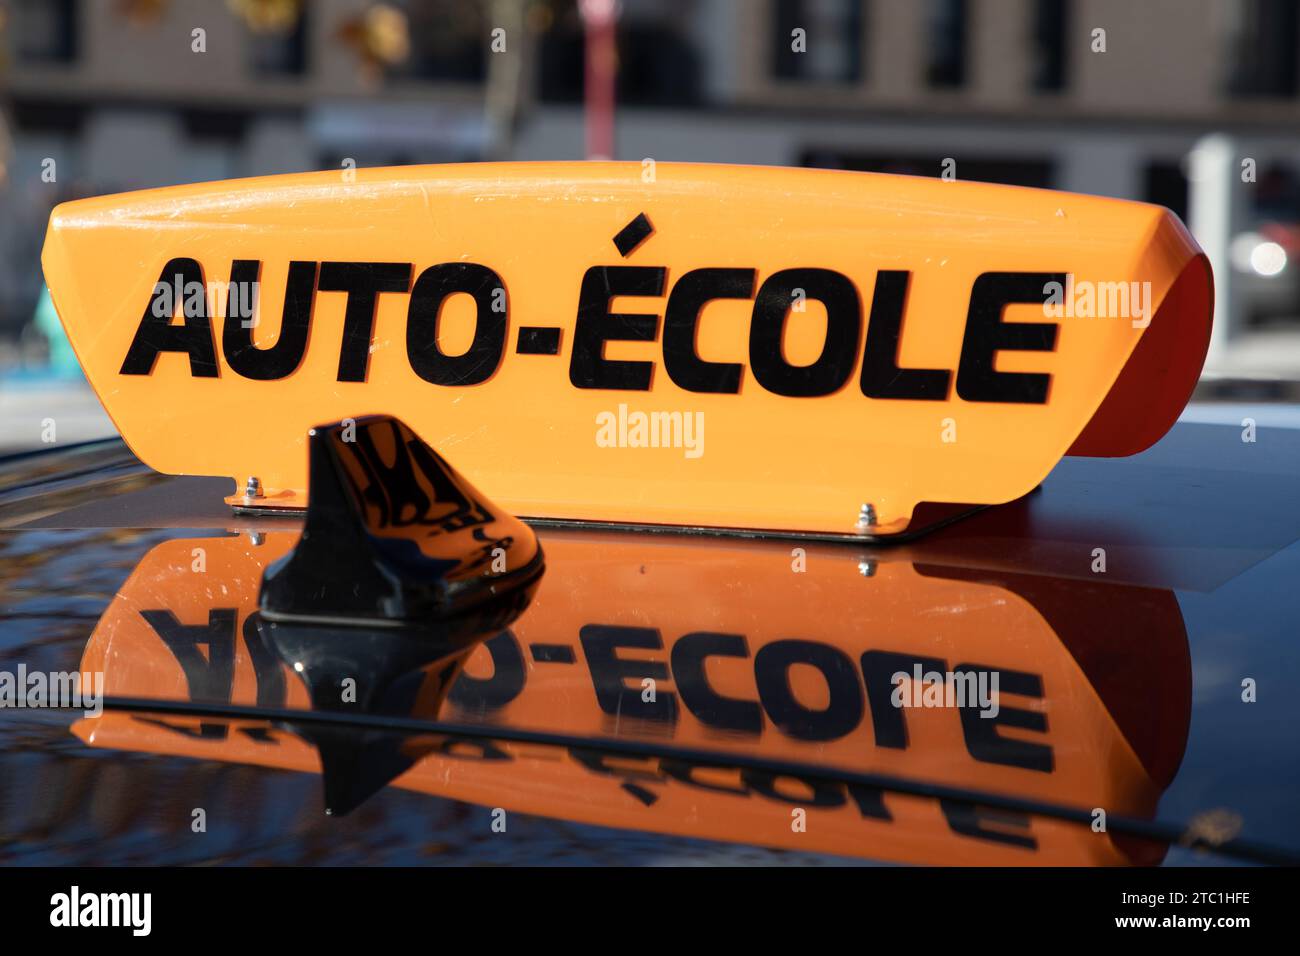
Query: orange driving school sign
(732, 347)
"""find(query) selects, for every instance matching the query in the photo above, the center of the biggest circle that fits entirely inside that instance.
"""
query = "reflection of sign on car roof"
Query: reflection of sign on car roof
(741, 668)
(844, 346)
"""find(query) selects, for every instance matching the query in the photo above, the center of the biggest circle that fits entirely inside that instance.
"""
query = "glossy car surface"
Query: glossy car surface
(678, 698)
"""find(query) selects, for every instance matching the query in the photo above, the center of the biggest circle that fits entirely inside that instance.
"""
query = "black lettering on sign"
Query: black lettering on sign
(633, 234)
(683, 771)
(881, 376)
(206, 730)
(596, 325)
(970, 820)
(646, 797)
(631, 767)
(843, 710)
(767, 332)
(986, 335)
(709, 707)
(284, 357)
(810, 792)
(610, 673)
(870, 801)
(210, 679)
(681, 321)
(363, 282)
(179, 284)
(538, 341)
(469, 748)
(982, 738)
(181, 289)
(481, 695)
(878, 670)
(482, 358)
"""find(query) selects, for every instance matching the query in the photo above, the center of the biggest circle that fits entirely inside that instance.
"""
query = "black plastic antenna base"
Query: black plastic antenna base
(394, 536)
(397, 671)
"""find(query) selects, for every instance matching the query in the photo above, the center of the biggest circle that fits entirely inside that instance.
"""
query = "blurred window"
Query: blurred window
(449, 41)
(658, 64)
(560, 52)
(1276, 196)
(280, 52)
(1051, 25)
(48, 117)
(1010, 171)
(46, 30)
(1262, 37)
(216, 125)
(1166, 185)
(214, 142)
(945, 30)
(832, 40)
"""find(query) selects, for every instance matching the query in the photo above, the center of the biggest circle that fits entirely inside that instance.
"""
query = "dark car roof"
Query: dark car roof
(1129, 688)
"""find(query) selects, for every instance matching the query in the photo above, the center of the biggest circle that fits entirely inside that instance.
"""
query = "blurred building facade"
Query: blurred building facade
(1018, 91)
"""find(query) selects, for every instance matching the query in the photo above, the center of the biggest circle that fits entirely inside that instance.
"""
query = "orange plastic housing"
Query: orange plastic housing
(812, 341)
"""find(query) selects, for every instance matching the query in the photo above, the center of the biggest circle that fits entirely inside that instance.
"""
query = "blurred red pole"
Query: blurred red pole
(598, 86)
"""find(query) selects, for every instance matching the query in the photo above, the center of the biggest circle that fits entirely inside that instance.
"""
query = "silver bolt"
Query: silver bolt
(867, 516)
(256, 538)
(867, 568)
(254, 487)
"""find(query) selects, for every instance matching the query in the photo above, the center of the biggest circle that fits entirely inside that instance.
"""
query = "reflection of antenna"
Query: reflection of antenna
(598, 18)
